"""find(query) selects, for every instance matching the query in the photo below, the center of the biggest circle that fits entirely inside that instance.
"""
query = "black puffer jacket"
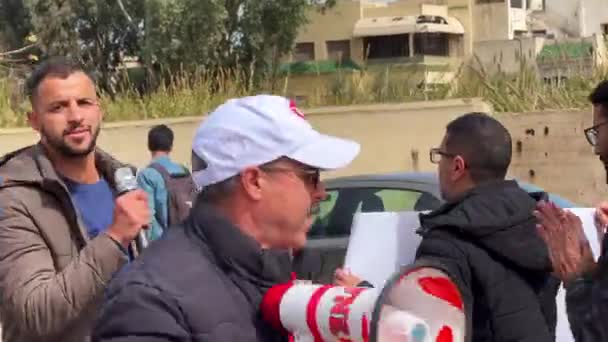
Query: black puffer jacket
(200, 282)
(489, 242)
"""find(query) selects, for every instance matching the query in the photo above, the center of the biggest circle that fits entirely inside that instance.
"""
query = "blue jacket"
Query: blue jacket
(153, 183)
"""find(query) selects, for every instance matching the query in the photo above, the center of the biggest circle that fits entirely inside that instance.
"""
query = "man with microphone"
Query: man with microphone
(258, 162)
(63, 234)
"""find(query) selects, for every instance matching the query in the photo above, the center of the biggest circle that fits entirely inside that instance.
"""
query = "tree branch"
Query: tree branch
(123, 9)
(20, 50)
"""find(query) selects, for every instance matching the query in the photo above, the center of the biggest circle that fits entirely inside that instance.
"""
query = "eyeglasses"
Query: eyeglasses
(308, 176)
(591, 133)
(436, 154)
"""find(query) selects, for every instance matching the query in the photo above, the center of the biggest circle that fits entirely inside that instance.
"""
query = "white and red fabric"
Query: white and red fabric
(317, 313)
(423, 305)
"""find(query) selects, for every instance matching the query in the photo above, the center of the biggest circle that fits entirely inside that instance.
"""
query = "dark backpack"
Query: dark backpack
(181, 192)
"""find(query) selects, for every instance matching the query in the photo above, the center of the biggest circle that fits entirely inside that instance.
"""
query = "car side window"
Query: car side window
(398, 200)
(335, 215)
(321, 217)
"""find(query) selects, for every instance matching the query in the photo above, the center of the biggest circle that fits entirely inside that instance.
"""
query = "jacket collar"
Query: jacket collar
(237, 251)
(31, 166)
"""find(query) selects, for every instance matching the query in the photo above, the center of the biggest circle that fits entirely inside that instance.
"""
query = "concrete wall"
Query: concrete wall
(517, 20)
(580, 18)
(335, 24)
(391, 9)
(461, 10)
(549, 148)
(507, 55)
(127, 141)
(387, 133)
(491, 21)
(564, 15)
(593, 14)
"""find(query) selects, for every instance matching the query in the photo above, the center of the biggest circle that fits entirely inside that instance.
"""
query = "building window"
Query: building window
(387, 46)
(604, 29)
(535, 5)
(517, 4)
(304, 52)
(432, 44)
(338, 50)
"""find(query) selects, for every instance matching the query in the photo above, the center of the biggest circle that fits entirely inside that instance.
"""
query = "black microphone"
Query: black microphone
(126, 181)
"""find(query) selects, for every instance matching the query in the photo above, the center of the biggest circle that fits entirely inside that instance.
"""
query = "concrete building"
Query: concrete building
(572, 18)
(405, 29)
(422, 41)
(430, 39)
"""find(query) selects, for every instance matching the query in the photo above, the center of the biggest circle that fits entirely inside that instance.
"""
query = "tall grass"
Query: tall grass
(523, 91)
(190, 96)
(381, 85)
(182, 95)
(526, 91)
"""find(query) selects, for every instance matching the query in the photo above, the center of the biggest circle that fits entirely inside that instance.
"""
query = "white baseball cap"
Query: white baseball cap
(256, 130)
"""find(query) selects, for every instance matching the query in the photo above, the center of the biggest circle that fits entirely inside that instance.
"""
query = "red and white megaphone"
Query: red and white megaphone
(419, 304)
(314, 313)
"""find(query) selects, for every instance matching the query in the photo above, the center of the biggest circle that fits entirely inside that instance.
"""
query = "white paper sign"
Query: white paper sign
(381, 242)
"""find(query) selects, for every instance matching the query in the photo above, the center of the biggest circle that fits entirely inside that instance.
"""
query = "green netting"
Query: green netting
(566, 50)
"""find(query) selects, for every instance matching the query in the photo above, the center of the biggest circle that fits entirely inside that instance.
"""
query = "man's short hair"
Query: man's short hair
(214, 193)
(599, 96)
(160, 139)
(483, 142)
(61, 67)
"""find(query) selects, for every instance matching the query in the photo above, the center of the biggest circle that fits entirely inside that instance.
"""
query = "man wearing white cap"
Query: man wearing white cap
(257, 162)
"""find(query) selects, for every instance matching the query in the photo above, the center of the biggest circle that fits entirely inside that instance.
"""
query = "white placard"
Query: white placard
(381, 242)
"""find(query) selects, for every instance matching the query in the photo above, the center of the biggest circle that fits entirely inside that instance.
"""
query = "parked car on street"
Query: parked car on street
(413, 191)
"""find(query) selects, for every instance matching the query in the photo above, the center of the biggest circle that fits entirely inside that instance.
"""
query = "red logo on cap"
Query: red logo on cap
(294, 108)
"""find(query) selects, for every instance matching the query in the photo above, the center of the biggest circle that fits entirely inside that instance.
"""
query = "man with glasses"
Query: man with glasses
(258, 163)
(485, 234)
(585, 281)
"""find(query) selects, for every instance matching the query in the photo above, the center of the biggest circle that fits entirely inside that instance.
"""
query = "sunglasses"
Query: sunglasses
(591, 133)
(308, 176)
